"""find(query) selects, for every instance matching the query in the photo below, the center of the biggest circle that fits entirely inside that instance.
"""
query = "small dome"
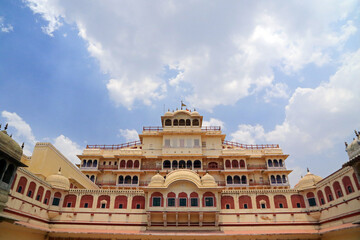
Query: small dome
(195, 113)
(208, 180)
(10, 146)
(353, 149)
(156, 180)
(308, 181)
(58, 181)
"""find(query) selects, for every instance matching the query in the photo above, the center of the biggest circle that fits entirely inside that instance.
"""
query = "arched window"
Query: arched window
(69, 201)
(135, 180)
(229, 180)
(129, 164)
(195, 122)
(168, 122)
(278, 179)
(174, 164)
(156, 200)
(280, 201)
(321, 197)
(235, 164)
(103, 201)
(329, 195)
(242, 163)
(182, 164)
(95, 163)
(8, 173)
(2, 167)
(236, 179)
(176, 122)
(56, 199)
(311, 199)
(47, 197)
(213, 165)
(243, 179)
(121, 180)
(337, 189)
(31, 190)
(166, 164)
(84, 163)
(273, 179)
(297, 201)
(127, 180)
(189, 164)
(347, 185)
(281, 163)
(194, 199)
(270, 164)
(188, 122)
(86, 201)
(21, 185)
(276, 164)
(245, 202)
(356, 181)
(92, 178)
(120, 202)
(138, 202)
(197, 164)
(227, 202)
(89, 163)
(39, 194)
(209, 200)
(136, 164)
(181, 122)
(227, 164)
(283, 178)
(171, 202)
(122, 164)
(87, 176)
(262, 201)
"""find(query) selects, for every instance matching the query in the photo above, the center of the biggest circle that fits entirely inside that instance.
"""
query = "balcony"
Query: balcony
(108, 167)
(106, 183)
(256, 166)
(250, 146)
(115, 146)
(260, 183)
(160, 129)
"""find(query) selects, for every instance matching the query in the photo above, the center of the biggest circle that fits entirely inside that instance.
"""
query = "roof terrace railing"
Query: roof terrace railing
(160, 129)
(114, 146)
(250, 146)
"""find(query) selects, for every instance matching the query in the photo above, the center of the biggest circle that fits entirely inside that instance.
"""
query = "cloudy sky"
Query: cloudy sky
(94, 72)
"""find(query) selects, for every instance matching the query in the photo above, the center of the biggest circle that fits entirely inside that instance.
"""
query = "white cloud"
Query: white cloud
(317, 120)
(6, 28)
(214, 122)
(68, 148)
(224, 47)
(23, 132)
(279, 90)
(129, 134)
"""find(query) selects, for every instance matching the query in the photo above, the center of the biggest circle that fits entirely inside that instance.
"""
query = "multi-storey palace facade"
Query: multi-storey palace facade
(179, 181)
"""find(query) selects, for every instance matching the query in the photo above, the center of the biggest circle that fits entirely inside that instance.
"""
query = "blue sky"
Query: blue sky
(77, 72)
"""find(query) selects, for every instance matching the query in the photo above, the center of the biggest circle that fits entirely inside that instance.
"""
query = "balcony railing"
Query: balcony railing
(160, 129)
(254, 183)
(250, 146)
(105, 167)
(256, 166)
(115, 146)
(106, 183)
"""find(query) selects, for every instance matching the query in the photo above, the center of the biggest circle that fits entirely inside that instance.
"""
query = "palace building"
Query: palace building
(181, 180)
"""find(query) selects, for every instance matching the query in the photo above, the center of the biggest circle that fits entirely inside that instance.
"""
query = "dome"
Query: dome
(156, 180)
(353, 149)
(308, 181)
(195, 113)
(208, 180)
(10, 146)
(58, 181)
